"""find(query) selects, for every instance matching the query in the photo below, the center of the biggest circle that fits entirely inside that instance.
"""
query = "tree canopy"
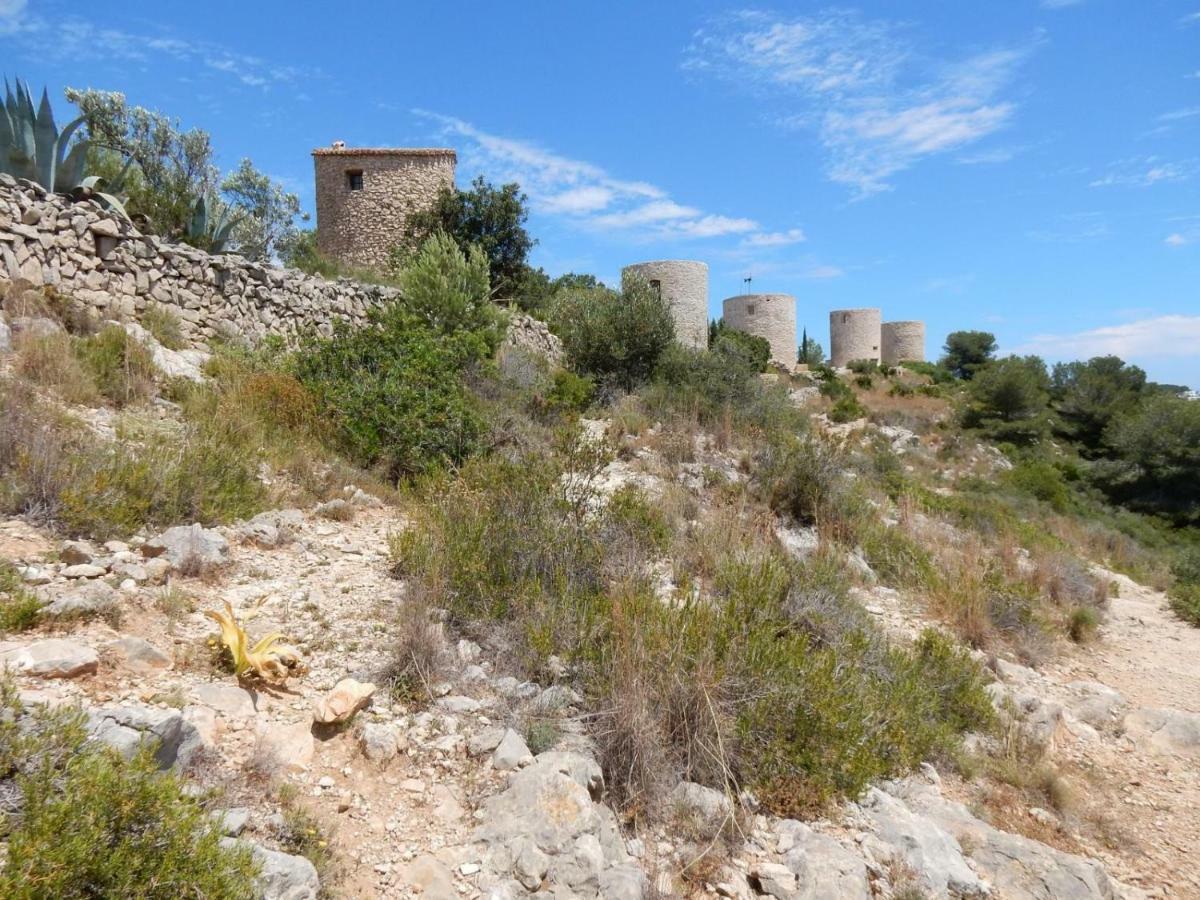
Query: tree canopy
(968, 351)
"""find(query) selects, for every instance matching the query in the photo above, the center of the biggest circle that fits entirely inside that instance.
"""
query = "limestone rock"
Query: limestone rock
(347, 697)
(139, 656)
(379, 742)
(126, 728)
(229, 700)
(51, 658)
(1165, 730)
(703, 806)
(511, 753)
(90, 599)
(74, 553)
(286, 746)
(188, 547)
(824, 869)
(282, 876)
(84, 570)
(774, 880)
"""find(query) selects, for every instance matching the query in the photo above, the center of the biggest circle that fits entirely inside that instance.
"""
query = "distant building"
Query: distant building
(768, 316)
(365, 196)
(683, 283)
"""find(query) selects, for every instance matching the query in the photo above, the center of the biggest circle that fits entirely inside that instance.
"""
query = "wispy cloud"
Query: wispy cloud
(77, 38)
(1178, 239)
(775, 238)
(1190, 19)
(1151, 338)
(1178, 114)
(875, 105)
(1145, 171)
(585, 194)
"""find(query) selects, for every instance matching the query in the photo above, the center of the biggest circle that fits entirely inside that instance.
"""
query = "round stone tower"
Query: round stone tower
(770, 316)
(365, 196)
(683, 283)
(903, 342)
(854, 334)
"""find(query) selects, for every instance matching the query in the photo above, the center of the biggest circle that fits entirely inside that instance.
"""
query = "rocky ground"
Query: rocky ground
(445, 798)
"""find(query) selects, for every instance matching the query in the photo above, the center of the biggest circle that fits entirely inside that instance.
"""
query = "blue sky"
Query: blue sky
(1028, 167)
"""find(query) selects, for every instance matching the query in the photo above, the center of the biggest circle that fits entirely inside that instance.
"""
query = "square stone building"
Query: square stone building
(366, 194)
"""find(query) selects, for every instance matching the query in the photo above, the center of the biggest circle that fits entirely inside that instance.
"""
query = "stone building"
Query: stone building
(365, 196)
(902, 342)
(854, 334)
(769, 316)
(684, 284)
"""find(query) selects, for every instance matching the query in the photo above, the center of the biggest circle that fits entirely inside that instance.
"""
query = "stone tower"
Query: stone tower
(903, 342)
(770, 316)
(365, 195)
(684, 285)
(854, 334)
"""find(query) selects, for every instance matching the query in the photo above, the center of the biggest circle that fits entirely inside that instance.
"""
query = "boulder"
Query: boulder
(83, 570)
(824, 869)
(126, 728)
(281, 876)
(230, 700)
(379, 742)
(703, 806)
(773, 880)
(51, 658)
(188, 547)
(139, 656)
(74, 553)
(340, 704)
(511, 753)
(90, 599)
(288, 747)
(1165, 730)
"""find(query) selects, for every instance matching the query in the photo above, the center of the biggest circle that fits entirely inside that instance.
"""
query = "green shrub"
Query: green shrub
(18, 607)
(1083, 623)
(448, 290)
(863, 366)
(754, 351)
(95, 825)
(773, 679)
(120, 367)
(936, 373)
(847, 409)
(1041, 480)
(164, 324)
(1185, 592)
(616, 338)
(393, 391)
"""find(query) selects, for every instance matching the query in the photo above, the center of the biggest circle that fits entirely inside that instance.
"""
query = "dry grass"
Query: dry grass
(50, 361)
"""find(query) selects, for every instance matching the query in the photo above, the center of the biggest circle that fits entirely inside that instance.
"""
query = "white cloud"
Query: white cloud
(874, 105)
(584, 193)
(1145, 172)
(1178, 114)
(78, 39)
(1175, 239)
(775, 238)
(1152, 338)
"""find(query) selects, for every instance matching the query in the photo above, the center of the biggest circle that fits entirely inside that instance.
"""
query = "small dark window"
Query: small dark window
(749, 309)
(656, 285)
(354, 180)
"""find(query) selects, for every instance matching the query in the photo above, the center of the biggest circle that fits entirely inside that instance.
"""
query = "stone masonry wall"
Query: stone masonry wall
(854, 334)
(105, 263)
(903, 342)
(360, 227)
(769, 316)
(684, 285)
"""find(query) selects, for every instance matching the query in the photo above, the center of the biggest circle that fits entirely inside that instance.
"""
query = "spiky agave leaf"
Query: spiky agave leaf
(232, 636)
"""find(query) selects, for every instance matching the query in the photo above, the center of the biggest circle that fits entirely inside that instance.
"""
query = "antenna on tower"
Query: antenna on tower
(746, 281)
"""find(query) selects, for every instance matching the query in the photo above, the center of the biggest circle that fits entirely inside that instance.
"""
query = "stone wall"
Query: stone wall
(359, 227)
(854, 334)
(769, 316)
(903, 342)
(106, 264)
(684, 285)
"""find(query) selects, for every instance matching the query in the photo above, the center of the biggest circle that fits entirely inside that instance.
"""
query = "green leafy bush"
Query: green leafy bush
(729, 342)
(120, 367)
(18, 607)
(616, 338)
(1185, 592)
(1042, 480)
(93, 824)
(393, 392)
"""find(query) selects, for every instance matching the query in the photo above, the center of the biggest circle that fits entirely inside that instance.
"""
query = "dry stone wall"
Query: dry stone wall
(105, 263)
(366, 195)
(769, 316)
(854, 334)
(903, 342)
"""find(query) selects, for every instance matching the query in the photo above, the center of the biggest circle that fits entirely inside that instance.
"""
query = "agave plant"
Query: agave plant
(32, 147)
(269, 659)
(212, 223)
